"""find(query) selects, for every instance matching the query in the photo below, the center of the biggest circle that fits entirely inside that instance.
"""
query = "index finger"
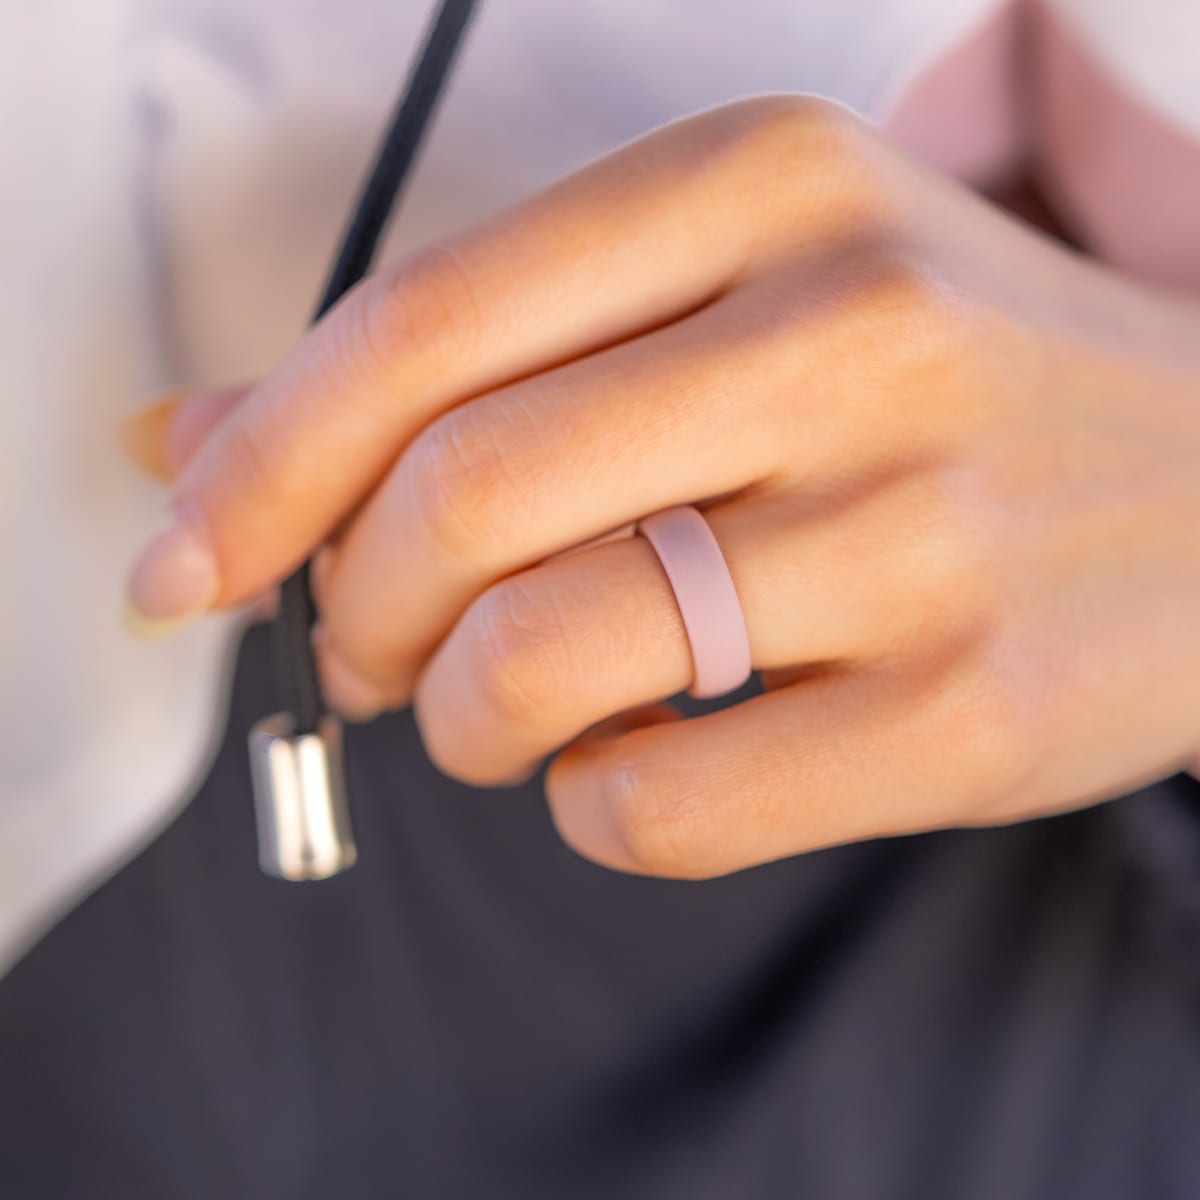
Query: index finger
(607, 253)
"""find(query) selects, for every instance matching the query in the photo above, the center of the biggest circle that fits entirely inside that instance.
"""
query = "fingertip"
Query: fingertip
(352, 697)
(176, 576)
(264, 606)
(320, 568)
(518, 778)
(585, 815)
(589, 788)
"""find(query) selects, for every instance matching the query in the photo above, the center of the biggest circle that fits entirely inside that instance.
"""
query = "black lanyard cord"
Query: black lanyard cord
(292, 628)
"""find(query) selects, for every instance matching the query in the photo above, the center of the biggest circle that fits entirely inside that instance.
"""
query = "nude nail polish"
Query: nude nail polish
(174, 579)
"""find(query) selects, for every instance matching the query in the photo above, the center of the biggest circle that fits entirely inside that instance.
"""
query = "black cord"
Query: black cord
(292, 628)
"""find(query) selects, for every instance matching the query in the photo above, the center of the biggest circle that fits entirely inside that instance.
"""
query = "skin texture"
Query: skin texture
(950, 462)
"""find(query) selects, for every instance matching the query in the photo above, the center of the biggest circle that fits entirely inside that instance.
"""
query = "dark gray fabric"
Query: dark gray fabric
(475, 1012)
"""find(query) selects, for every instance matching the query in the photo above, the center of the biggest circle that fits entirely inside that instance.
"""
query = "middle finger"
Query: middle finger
(688, 413)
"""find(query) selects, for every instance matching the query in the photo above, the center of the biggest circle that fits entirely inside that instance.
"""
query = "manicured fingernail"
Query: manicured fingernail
(146, 437)
(174, 579)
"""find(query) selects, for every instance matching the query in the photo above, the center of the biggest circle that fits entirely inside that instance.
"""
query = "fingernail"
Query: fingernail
(174, 579)
(146, 437)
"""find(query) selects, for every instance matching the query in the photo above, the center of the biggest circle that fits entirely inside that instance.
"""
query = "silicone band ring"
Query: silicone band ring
(708, 602)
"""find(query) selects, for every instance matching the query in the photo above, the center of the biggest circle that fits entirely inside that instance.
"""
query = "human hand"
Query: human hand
(951, 466)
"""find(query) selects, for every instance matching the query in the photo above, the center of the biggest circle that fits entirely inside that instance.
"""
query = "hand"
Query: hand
(952, 466)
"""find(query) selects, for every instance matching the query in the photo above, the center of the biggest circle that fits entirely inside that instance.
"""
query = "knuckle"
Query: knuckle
(992, 726)
(793, 124)
(945, 556)
(815, 144)
(426, 304)
(661, 822)
(524, 662)
(458, 481)
(925, 320)
(957, 593)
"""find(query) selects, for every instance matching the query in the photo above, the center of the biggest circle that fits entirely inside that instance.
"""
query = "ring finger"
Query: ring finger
(542, 656)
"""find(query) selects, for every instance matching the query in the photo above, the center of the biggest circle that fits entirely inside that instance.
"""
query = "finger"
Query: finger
(342, 688)
(644, 717)
(198, 418)
(604, 255)
(545, 654)
(847, 757)
(503, 482)
(265, 606)
(163, 438)
(320, 570)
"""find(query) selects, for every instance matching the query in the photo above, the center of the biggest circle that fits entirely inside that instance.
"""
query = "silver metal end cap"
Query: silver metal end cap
(300, 799)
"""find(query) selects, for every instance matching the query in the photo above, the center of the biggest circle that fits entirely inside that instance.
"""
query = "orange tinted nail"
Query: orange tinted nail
(145, 437)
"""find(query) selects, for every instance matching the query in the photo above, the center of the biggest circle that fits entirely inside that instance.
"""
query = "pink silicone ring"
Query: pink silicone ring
(708, 602)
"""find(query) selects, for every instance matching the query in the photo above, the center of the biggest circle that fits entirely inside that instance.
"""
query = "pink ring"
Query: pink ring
(708, 602)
